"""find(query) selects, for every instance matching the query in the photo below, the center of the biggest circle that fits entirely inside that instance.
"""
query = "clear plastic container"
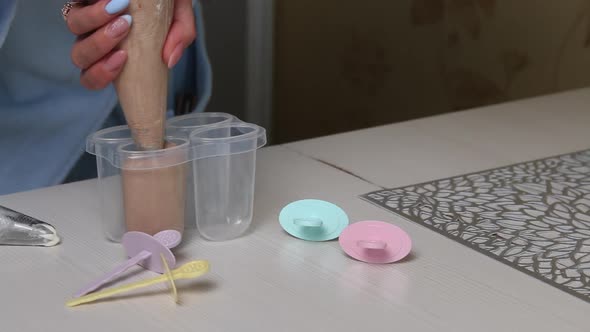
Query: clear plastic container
(183, 126)
(205, 177)
(140, 190)
(103, 144)
(224, 165)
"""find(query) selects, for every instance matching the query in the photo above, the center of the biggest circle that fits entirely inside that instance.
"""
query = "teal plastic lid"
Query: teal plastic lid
(313, 220)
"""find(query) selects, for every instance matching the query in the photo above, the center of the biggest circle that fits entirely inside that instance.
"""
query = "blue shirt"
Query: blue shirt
(45, 114)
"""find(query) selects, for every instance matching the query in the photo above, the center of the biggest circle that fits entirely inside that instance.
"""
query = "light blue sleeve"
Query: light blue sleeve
(7, 10)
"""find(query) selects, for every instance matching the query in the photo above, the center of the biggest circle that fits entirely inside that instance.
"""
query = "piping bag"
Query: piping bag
(17, 229)
(153, 196)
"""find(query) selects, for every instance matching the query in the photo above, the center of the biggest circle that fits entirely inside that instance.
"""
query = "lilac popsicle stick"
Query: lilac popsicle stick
(161, 242)
(117, 271)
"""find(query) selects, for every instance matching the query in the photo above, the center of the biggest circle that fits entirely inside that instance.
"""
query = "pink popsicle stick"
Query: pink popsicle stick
(375, 245)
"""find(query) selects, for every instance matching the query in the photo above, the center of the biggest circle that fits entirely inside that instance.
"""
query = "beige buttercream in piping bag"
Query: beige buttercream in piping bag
(153, 199)
(142, 86)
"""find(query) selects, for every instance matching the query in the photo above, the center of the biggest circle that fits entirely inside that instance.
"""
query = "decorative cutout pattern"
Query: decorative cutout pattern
(534, 216)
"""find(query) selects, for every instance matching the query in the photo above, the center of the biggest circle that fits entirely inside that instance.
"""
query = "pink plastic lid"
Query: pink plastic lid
(375, 242)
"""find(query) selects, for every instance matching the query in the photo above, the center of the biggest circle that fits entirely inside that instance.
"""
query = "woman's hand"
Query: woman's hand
(102, 25)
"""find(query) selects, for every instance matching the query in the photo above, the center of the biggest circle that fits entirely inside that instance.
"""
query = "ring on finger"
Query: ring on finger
(65, 10)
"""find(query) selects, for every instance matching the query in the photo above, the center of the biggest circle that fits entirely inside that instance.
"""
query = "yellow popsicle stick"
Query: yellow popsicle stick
(170, 278)
(189, 270)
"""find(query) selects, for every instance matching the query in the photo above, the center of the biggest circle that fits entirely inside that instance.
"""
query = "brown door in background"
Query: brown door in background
(345, 65)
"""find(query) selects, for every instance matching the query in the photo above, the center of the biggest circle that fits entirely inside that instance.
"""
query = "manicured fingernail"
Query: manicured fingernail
(115, 6)
(175, 56)
(119, 26)
(115, 62)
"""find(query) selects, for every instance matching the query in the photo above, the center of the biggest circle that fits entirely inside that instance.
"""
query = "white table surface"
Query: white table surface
(268, 281)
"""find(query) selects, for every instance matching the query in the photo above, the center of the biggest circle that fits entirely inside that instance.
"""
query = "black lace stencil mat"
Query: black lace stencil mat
(533, 216)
